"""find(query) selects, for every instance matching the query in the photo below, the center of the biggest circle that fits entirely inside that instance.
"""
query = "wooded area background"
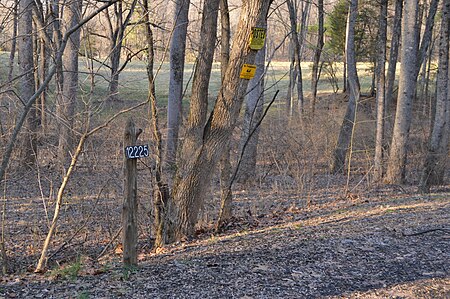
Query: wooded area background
(347, 95)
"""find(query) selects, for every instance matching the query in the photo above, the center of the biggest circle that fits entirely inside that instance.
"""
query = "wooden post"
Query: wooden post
(129, 210)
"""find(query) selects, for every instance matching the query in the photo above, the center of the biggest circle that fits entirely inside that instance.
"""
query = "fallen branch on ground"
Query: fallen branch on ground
(445, 230)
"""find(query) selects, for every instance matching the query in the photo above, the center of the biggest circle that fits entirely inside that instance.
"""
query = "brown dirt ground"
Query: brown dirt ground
(386, 243)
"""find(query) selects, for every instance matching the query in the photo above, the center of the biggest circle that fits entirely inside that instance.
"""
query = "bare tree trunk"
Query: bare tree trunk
(27, 83)
(174, 104)
(199, 96)
(161, 197)
(344, 138)
(292, 78)
(200, 83)
(42, 18)
(72, 16)
(381, 67)
(344, 75)
(55, 20)
(438, 143)
(424, 80)
(316, 59)
(407, 85)
(225, 37)
(116, 35)
(427, 35)
(253, 111)
(43, 66)
(191, 189)
(393, 54)
(13, 42)
(425, 49)
(297, 48)
(113, 86)
(226, 195)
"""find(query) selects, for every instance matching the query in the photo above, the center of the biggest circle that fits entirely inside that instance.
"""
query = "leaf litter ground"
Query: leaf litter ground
(384, 243)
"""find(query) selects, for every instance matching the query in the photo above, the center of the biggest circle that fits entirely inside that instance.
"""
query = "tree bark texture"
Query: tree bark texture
(317, 54)
(189, 191)
(393, 54)
(72, 16)
(42, 18)
(438, 144)
(161, 196)
(202, 74)
(27, 82)
(381, 67)
(292, 78)
(225, 37)
(12, 53)
(345, 133)
(297, 51)
(226, 194)
(427, 34)
(407, 84)
(174, 104)
(43, 67)
(254, 105)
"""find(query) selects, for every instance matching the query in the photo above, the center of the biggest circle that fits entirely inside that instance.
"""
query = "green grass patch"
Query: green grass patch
(69, 272)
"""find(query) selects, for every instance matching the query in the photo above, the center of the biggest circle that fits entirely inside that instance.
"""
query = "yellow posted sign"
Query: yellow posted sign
(248, 71)
(257, 38)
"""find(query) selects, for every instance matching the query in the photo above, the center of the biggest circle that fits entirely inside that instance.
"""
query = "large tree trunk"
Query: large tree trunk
(253, 112)
(226, 195)
(381, 67)
(177, 56)
(199, 96)
(190, 190)
(317, 54)
(27, 83)
(393, 54)
(438, 143)
(345, 133)
(72, 16)
(198, 107)
(407, 85)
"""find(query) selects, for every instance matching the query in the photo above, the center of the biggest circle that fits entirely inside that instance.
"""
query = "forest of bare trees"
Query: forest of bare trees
(234, 105)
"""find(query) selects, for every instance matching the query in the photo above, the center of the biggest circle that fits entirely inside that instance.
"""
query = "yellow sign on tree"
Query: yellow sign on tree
(257, 38)
(248, 71)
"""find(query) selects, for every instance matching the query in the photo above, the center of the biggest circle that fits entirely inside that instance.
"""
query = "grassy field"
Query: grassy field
(133, 79)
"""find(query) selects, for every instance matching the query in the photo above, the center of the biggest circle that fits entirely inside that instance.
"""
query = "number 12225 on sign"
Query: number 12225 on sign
(136, 151)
